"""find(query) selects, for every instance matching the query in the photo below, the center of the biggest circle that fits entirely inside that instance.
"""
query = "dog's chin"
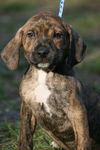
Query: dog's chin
(44, 66)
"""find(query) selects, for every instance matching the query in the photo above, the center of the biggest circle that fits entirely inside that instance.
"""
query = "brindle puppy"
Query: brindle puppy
(51, 95)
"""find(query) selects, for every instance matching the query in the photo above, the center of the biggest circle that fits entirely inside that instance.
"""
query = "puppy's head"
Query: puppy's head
(47, 42)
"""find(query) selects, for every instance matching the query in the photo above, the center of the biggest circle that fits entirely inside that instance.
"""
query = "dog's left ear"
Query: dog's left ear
(77, 47)
(10, 54)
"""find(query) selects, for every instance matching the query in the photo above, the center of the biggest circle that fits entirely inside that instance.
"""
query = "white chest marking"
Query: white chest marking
(42, 92)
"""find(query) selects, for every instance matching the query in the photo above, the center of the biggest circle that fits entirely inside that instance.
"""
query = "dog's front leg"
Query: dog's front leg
(78, 117)
(28, 124)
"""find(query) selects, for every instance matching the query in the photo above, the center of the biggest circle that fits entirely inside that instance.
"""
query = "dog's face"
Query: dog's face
(47, 42)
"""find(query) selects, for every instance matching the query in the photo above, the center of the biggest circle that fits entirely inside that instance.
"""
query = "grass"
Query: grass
(17, 5)
(9, 135)
(3, 95)
(92, 65)
(96, 86)
(14, 7)
(85, 21)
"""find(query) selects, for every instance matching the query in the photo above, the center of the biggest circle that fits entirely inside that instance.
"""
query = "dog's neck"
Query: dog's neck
(64, 69)
(60, 69)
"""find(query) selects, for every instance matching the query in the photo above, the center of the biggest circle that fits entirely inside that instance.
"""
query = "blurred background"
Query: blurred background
(84, 15)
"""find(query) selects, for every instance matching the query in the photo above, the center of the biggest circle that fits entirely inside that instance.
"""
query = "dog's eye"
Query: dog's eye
(57, 35)
(31, 34)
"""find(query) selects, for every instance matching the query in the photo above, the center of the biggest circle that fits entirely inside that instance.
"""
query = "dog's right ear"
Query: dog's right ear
(77, 46)
(10, 54)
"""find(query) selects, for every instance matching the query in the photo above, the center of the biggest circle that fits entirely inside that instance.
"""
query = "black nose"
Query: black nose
(43, 51)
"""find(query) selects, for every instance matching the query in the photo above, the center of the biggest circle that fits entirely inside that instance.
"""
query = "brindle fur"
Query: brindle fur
(68, 113)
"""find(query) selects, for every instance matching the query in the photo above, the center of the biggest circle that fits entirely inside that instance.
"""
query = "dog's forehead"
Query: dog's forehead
(47, 21)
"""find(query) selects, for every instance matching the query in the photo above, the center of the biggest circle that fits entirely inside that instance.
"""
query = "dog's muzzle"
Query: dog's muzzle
(41, 56)
(45, 55)
(42, 53)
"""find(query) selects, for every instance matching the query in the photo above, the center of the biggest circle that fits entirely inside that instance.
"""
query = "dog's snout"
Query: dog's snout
(43, 51)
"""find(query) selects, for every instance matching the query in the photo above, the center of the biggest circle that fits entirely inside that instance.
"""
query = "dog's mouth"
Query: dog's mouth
(43, 65)
(47, 64)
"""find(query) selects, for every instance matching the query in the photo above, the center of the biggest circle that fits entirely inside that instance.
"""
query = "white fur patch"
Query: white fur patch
(43, 65)
(42, 92)
(54, 145)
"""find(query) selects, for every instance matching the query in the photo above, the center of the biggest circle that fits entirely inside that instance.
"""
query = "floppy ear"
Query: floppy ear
(77, 47)
(11, 52)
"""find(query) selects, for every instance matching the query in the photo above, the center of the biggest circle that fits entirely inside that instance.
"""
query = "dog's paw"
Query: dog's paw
(54, 145)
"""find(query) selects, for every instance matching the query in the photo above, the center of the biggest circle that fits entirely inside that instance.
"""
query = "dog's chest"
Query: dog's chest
(34, 90)
(42, 92)
(45, 92)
